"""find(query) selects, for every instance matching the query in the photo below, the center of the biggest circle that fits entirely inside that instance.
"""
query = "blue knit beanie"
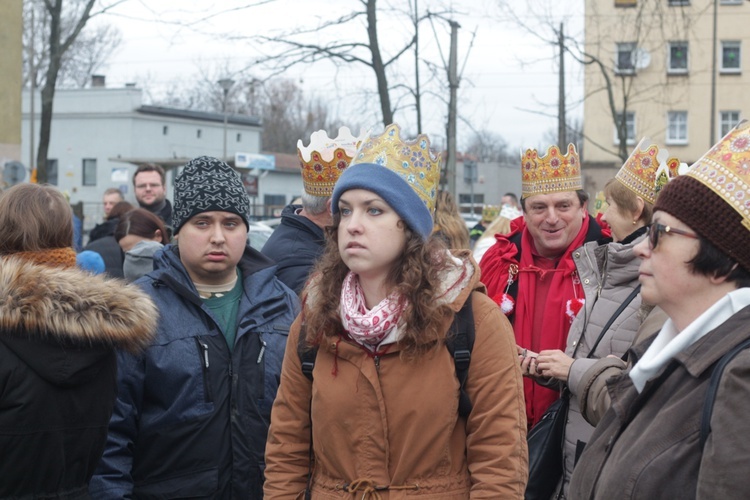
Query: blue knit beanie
(90, 261)
(404, 173)
(392, 188)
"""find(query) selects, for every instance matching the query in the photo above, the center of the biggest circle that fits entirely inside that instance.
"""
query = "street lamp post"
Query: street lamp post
(225, 84)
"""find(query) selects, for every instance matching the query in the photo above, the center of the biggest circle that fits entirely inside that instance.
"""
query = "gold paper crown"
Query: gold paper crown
(411, 160)
(324, 159)
(551, 173)
(639, 172)
(725, 169)
(490, 212)
(600, 203)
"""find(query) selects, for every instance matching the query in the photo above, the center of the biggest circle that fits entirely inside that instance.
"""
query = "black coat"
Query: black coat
(60, 328)
(106, 228)
(111, 253)
(295, 246)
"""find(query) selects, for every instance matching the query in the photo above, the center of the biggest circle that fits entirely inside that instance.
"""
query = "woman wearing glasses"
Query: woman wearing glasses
(608, 271)
(696, 266)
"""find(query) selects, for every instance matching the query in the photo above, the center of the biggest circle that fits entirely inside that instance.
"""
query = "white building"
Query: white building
(100, 135)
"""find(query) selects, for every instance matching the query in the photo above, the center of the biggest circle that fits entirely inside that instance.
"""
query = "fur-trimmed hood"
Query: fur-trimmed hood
(69, 308)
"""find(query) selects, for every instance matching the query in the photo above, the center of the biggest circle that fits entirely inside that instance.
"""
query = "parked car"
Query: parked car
(258, 233)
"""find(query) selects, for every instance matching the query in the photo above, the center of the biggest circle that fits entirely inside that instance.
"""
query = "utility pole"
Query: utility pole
(418, 90)
(712, 139)
(225, 84)
(32, 91)
(452, 113)
(561, 128)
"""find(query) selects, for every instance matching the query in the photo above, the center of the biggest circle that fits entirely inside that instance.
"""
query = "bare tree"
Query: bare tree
(647, 23)
(489, 147)
(62, 23)
(294, 48)
(287, 113)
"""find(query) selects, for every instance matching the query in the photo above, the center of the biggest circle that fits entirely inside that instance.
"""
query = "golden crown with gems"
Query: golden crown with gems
(554, 172)
(725, 169)
(412, 160)
(324, 159)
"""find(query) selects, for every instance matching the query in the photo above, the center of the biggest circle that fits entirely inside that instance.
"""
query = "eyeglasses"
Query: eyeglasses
(656, 229)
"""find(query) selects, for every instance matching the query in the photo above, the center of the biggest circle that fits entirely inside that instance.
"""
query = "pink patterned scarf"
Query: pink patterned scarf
(367, 327)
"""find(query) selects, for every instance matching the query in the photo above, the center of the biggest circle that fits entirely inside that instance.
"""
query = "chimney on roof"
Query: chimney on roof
(97, 81)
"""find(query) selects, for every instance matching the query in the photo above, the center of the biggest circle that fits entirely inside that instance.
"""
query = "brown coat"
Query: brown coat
(594, 398)
(647, 445)
(395, 423)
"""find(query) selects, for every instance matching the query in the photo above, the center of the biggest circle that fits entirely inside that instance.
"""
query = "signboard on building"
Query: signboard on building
(253, 161)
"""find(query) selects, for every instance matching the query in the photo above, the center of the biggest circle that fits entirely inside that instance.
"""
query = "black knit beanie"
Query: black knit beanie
(708, 214)
(207, 184)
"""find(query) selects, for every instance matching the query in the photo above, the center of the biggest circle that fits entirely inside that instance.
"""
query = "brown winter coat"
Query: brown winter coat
(647, 445)
(594, 398)
(394, 423)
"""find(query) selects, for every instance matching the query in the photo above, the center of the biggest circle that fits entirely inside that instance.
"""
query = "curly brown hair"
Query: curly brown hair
(415, 278)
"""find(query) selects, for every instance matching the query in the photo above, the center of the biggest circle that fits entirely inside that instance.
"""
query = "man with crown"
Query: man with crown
(530, 272)
(299, 240)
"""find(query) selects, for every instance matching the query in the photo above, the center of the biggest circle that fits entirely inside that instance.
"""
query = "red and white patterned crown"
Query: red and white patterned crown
(324, 159)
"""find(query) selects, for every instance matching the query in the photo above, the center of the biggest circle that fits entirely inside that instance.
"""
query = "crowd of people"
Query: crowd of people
(376, 347)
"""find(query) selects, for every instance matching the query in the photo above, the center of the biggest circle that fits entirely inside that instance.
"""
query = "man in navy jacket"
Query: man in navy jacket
(192, 412)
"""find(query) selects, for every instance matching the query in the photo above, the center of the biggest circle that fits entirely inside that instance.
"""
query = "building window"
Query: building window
(679, 2)
(89, 171)
(677, 129)
(626, 3)
(198, 133)
(731, 2)
(52, 171)
(164, 130)
(625, 58)
(629, 127)
(678, 58)
(729, 119)
(239, 137)
(730, 57)
(274, 204)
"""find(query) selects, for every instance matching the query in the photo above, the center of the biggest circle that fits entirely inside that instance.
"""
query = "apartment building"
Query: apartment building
(678, 71)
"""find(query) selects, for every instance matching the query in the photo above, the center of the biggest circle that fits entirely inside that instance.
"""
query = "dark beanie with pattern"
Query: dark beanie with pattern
(708, 215)
(208, 184)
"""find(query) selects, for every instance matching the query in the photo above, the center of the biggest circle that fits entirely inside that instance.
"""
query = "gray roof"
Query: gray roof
(200, 115)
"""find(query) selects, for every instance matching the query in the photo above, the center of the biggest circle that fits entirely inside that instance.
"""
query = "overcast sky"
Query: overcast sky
(509, 81)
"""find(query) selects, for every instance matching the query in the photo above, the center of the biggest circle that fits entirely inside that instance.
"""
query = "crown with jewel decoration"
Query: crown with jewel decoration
(324, 159)
(725, 169)
(646, 170)
(490, 212)
(552, 173)
(413, 161)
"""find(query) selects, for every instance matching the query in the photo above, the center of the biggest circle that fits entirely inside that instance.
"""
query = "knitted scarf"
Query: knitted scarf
(563, 292)
(52, 257)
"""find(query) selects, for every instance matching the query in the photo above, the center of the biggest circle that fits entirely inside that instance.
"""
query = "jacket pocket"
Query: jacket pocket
(189, 485)
(205, 366)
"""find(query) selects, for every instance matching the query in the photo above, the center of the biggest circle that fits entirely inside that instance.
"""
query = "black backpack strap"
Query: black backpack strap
(306, 354)
(612, 319)
(713, 387)
(460, 343)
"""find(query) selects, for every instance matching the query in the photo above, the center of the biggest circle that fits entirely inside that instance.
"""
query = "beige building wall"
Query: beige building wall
(11, 27)
(653, 91)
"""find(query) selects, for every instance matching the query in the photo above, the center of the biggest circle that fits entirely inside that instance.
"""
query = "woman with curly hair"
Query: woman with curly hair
(449, 226)
(380, 417)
